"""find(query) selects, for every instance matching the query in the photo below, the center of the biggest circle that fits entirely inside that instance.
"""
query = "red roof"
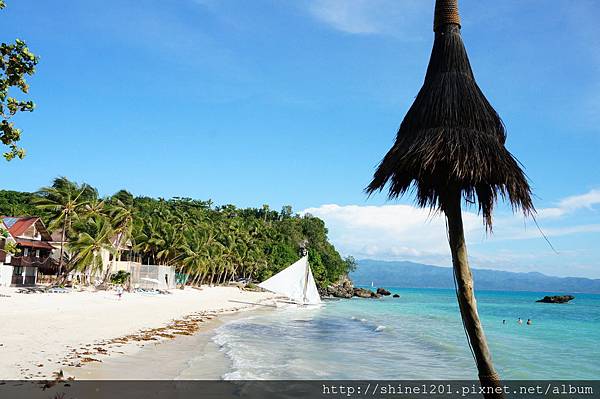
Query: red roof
(18, 225)
(33, 244)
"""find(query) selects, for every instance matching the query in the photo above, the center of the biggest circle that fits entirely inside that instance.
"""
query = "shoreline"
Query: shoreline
(61, 336)
(183, 357)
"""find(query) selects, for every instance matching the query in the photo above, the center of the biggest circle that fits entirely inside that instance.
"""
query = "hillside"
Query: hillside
(416, 275)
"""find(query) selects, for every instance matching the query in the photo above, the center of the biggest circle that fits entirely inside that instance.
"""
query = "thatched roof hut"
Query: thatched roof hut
(452, 138)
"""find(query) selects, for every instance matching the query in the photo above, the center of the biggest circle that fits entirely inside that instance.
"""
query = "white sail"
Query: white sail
(295, 282)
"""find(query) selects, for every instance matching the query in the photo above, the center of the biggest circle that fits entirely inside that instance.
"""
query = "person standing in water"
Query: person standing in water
(504, 321)
(520, 321)
(528, 322)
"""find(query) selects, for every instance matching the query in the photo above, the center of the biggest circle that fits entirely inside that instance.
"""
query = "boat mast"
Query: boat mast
(304, 253)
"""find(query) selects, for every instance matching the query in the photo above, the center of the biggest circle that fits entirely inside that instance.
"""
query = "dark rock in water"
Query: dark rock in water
(342, 289)
(365, 293)
(557, 299)
(362, 293)
(395, 296)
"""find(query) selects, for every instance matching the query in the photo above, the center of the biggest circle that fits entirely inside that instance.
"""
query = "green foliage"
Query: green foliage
(15, 203)
(119, 277)
(10, 247)
(93, 235)
(16, 62)
(63, 201)
(208, 244)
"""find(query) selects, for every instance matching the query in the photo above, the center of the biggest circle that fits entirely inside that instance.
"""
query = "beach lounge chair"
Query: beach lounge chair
(58, 290)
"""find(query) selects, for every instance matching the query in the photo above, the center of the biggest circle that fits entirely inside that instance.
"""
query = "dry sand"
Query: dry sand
(42, 334)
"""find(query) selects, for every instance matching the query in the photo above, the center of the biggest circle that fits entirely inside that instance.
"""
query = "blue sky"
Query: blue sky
(296, 102)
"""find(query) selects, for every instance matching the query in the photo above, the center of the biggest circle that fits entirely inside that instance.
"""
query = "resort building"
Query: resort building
(141, 275)
(30, 251)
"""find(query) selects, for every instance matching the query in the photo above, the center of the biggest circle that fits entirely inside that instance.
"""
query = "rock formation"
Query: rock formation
(556, 299)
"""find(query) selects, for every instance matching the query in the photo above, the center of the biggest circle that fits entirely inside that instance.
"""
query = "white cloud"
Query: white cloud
(394, 232)
(586, 200)
(348, 16)
(390, 231)
(572, 204)
(391, 17)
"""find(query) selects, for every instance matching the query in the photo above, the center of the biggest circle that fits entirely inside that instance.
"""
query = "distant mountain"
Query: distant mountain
(416, 275)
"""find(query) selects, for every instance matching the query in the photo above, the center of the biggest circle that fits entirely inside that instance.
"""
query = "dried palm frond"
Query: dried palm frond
(452, 138)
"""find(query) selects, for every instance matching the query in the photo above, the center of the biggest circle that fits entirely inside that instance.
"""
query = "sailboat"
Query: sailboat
(295, 282)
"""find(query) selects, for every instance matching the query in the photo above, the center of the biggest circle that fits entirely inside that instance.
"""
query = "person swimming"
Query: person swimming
(520, 321)
(528, 322)
(504, 321)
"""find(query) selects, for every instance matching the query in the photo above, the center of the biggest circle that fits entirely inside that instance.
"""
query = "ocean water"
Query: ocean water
(416, 336)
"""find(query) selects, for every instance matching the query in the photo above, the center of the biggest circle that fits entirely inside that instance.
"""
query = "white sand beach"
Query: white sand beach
(41, 334)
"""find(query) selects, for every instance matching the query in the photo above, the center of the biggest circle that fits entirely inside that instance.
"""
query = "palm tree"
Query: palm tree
(122, 218)
(147, 237)
(95, 208)
(450, 146)
(94, 236)
(63, 201)
(196, 254)
(168, 243)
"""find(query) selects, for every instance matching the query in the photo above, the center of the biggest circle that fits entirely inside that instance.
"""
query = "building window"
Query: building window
(26, 252)
(18, 270)
(37, 253)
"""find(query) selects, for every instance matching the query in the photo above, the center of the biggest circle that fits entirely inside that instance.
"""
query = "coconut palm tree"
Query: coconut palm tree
(122, 218)
(94, 235)
(450, 146)
(63, 201)
(95, 208)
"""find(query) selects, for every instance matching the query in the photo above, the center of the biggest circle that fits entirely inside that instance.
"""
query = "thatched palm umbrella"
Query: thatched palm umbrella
(450, 145)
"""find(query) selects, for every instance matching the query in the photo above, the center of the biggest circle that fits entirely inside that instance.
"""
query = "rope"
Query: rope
(446, 12)
(544, 235)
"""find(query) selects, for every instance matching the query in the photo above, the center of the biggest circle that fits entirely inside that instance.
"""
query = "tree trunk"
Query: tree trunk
(488, 377)
(225, 276)
(196, 279)
(62, 244)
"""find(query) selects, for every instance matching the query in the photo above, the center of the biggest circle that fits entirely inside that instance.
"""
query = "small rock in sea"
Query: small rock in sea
(383, 291)
(556, 299)
(395, 296)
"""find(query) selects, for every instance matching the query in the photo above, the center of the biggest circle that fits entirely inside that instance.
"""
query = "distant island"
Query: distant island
(415, 275)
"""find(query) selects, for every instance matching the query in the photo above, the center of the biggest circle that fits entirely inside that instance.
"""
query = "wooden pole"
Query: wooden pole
(488, 377)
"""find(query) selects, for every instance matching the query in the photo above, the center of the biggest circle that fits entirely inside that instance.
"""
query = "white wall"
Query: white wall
(6, 272)
(157, 272)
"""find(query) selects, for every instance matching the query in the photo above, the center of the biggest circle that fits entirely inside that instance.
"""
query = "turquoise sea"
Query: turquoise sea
(416, 336)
